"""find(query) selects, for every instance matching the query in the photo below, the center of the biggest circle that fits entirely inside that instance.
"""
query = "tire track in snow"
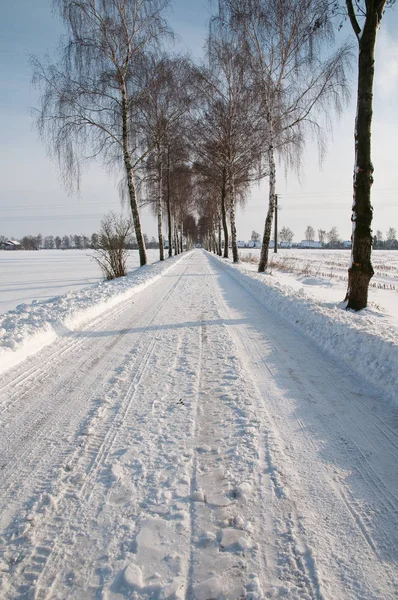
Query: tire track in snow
(71, 386)
(193, 484)
(274, 355)
(289, 566)
(46, 481)
(71, 342)
(364, 470)
(225, 560)
(77, 494)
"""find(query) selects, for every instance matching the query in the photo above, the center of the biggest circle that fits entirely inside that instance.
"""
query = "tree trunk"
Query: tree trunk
(270, 214)
(219, 236)
(361, 271)
(130, 181)
(176, 249)
(168, 206)
(224, 216)
(159, 206)
(235, 254)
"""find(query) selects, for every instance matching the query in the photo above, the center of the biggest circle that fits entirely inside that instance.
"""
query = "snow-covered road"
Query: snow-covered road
(189, 443)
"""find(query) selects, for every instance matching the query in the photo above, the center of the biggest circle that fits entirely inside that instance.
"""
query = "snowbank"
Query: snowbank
(366, 341)
(30, 327)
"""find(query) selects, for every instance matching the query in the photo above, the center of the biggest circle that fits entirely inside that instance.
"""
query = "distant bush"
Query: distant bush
(110, 250)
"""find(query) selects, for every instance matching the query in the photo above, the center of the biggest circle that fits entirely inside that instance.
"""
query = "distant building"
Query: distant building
(310, 244)
(347, 244)
(254, 244)
(241, 244)
(12, 245)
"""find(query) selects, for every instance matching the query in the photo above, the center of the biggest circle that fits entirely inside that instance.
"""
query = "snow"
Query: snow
(368, 340)
(192, 442)
(35, 276)
(307, 287)
(30, 327)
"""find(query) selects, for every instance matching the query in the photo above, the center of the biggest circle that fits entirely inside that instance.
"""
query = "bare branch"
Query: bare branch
(352, 17)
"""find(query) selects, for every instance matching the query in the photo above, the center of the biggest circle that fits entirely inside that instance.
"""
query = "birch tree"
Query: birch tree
(309, 233)
(286, 235)
(210, 171)
(176, 178)
(321, 236)
(365, 18)
(297, 77)
(164, 105)
(227, 127)
(88, 106)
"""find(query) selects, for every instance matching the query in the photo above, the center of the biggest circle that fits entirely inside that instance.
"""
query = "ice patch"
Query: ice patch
(233, 540)
(159, 565)
(197, 496)
(218, 499)
(244, 490)
(209, 589)
(133, 576)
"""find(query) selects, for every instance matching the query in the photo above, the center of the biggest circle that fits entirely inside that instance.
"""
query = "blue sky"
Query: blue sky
(32, 199)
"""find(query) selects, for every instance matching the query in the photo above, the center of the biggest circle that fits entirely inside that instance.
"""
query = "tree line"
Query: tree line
(332, 238)
(80, 242)
(190, 139)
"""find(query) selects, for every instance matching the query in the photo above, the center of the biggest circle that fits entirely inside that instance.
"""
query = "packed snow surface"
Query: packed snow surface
(190, 442)
(312, 301)
(29, 327)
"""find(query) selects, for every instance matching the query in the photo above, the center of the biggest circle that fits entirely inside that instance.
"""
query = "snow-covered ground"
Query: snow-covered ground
(30, 327)
(331, 264)
(308, 288)
(28, 276)
(192, 441)
(322, 275)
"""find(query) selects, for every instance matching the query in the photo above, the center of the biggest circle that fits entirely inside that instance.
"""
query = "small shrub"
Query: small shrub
(249, 258)
(111, 252)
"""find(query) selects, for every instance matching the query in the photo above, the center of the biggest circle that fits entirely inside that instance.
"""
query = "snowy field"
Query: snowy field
(321, 275)
(298, 285)
(37, 276)
(331, 264)
(198, 431)
(28, 276)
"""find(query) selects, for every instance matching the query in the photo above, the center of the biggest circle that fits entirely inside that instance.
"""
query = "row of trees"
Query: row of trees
(286, 235)
(78, 242)
(189, 140)
(333, 237)
(116, 95)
